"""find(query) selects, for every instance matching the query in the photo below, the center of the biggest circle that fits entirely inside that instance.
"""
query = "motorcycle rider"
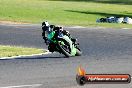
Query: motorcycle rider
(47, 28)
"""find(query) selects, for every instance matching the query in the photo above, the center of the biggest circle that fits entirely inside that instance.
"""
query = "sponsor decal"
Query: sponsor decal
(83, 78)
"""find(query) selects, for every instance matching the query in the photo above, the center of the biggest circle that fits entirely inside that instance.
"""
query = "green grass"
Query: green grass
(66, 12)
(8, 51)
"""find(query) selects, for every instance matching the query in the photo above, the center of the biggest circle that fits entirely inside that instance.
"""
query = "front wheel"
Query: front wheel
(64, 48)
(78, 52)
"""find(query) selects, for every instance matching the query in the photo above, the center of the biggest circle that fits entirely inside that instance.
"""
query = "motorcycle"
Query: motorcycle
(63, 44)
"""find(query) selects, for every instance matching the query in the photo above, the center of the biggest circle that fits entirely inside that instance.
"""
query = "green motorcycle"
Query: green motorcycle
(63, 44)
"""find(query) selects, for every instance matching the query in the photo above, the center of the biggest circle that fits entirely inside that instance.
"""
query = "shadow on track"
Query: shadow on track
(41, 57)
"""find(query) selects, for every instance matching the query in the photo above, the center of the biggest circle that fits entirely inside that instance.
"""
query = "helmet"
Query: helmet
(45, 23)
(46, 27)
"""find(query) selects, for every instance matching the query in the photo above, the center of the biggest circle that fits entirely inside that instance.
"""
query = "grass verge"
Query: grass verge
(65, 12)
(9, 51)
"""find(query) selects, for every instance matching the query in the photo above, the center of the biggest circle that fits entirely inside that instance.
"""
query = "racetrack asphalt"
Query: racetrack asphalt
(104, 51)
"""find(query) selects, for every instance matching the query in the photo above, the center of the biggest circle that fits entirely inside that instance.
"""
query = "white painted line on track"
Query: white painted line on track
(20, 56)
(76, 27)
(125, 28)
(21, 86)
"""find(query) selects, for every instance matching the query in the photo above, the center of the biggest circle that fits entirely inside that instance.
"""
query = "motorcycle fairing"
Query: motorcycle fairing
(73, 49)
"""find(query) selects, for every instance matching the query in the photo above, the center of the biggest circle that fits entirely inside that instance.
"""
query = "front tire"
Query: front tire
(78, 52)
(67, 54)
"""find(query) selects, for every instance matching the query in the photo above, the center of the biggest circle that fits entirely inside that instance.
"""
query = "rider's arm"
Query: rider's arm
(43, 35)
(66, 33)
